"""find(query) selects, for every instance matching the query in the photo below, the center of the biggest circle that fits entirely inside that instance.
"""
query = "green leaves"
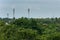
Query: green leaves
(30, 29)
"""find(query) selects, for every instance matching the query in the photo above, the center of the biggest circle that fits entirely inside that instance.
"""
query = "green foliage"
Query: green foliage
(54, 36)
(15, 33)
(30, 29)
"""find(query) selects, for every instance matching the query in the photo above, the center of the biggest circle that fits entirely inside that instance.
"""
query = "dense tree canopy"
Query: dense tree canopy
(30, 29)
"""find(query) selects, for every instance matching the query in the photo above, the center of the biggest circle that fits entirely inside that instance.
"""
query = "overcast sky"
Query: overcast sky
(38, 8)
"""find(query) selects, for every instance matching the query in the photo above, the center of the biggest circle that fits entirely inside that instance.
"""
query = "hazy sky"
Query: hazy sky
(38, 8)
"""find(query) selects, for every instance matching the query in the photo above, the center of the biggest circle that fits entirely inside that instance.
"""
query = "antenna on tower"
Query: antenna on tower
(28, 12)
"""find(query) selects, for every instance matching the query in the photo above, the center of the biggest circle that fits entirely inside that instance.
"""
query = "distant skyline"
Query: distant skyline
(38, 8)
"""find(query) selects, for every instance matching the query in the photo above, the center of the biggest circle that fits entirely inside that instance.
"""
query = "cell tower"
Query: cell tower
(13, 13)
(28, 12)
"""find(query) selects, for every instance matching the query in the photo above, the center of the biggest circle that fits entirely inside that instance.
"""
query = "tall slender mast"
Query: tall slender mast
(13, 13)
(7, 15)
(28, 13)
